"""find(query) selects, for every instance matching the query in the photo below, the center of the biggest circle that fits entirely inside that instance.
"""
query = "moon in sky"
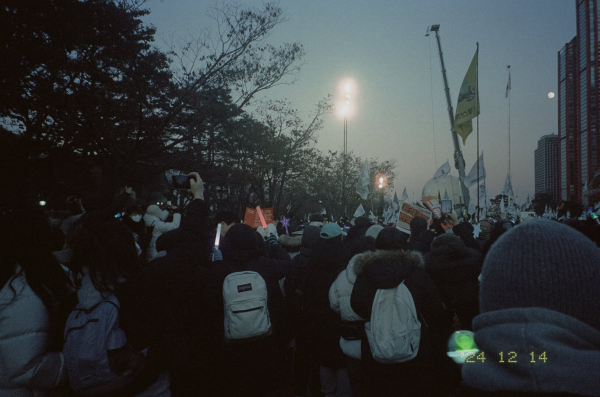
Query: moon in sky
(550, 95)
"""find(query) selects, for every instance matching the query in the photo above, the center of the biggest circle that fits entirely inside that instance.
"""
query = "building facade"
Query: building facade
(547, 166)
(578, 105)
(587, 37)
(568, 131)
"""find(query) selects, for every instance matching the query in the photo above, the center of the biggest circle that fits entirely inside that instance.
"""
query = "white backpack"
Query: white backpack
(245, 303)
(394, 331)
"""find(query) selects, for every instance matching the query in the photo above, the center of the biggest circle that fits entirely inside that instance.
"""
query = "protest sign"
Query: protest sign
(436, 208)
(407, 213)
(252, 218)
(434, 205)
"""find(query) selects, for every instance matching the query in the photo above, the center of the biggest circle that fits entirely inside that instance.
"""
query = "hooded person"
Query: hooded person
(539, 302)
(252, 368)
(161, 302)
(430, 371)
(155, 219)
(420, 238)
(464, 230)
(352, 329)
(295, 297)
(323, 324)
(454, 269)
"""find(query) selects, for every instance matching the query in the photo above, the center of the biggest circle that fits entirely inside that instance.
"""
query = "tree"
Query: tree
(82, 77)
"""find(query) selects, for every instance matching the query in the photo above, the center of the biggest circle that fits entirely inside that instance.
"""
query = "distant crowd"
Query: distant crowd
(126, 300)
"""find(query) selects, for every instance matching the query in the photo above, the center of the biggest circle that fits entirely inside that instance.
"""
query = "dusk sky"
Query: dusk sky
(381, 46)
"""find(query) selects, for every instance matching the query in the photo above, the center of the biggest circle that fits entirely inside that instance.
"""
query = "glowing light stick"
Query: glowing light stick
(262, 221)
(218, 236)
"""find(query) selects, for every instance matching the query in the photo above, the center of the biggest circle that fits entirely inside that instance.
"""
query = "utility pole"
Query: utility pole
(459, 161)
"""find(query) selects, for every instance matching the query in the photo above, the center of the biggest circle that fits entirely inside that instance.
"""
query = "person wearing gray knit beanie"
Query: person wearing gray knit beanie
(538, 330)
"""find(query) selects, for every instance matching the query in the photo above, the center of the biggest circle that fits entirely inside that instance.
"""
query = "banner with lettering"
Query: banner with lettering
(407, 213)
(251, 217)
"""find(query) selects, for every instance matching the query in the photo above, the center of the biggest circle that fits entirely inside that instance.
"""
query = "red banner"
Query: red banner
(251, 218)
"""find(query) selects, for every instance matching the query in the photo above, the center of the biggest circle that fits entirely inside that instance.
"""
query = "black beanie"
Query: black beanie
(240, 237)
(417, 226)
(543, 263)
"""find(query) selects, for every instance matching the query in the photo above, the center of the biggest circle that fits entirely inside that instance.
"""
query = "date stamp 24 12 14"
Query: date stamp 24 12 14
(510, 357)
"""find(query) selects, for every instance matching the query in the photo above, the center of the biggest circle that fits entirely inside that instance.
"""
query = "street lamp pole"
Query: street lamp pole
(345, 160)
(345, 110)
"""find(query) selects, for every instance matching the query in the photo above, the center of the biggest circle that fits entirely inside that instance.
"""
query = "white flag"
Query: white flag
(362, 186)
(471, 179)
(371, 215)
(360, 211)
(332, 220)
(442, 172)
(404, 195)
(511, 210)
(507, 190)
(323, 212)
(446, 197)
(395, 203)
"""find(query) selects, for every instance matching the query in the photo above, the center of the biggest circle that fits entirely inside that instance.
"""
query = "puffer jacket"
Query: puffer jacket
(157, 220)
(26, 367)
(431, 372)
(339, 299)
(146, 384)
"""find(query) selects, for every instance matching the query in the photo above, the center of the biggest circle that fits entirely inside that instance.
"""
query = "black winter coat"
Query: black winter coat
(455, 270)
(252, 368)
(323, 324)
(431, 371)
(160, 305)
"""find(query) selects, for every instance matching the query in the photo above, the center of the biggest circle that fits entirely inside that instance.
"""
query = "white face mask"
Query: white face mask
(136, 218)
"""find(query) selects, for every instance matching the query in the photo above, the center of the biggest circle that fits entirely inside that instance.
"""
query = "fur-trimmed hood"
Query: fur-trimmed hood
(387, 268)
(290, 243)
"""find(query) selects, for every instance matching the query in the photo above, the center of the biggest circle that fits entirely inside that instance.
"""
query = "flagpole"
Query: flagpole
(459, 161)
(478, 133)
(508, 90)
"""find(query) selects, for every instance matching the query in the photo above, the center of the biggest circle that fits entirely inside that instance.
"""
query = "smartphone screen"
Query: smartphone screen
(446, 206)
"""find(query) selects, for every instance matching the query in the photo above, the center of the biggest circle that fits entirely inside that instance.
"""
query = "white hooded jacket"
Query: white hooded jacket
(339, 299)
(27, 369)
(155, 217)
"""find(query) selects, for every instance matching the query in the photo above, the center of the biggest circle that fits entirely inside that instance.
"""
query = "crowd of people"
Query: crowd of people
(146, 304)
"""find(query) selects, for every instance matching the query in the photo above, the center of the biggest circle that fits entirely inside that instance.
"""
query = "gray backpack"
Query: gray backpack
(97, 356)
(245, 302)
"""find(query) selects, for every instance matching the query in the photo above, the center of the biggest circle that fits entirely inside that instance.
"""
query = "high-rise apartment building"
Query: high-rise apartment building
(546, 166)
(568, 131)
(578, 104)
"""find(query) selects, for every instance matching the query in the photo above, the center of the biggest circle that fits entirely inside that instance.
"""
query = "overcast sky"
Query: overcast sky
(398, 100)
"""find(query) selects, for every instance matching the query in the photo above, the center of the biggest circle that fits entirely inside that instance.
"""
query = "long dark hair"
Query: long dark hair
(26, 240)
(107, 248)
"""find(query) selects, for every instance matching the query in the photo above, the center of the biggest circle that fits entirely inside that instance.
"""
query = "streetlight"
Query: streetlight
(345, 110)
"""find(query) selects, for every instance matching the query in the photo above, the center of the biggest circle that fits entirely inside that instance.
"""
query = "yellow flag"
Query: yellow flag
(467, 106)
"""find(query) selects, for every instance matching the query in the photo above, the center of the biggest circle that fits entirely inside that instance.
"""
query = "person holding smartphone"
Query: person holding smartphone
(156, 220)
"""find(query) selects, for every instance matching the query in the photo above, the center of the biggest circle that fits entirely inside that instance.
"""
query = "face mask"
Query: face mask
(136, 218)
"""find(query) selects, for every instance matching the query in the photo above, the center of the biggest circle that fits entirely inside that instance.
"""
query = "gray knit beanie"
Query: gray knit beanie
(546, 264)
